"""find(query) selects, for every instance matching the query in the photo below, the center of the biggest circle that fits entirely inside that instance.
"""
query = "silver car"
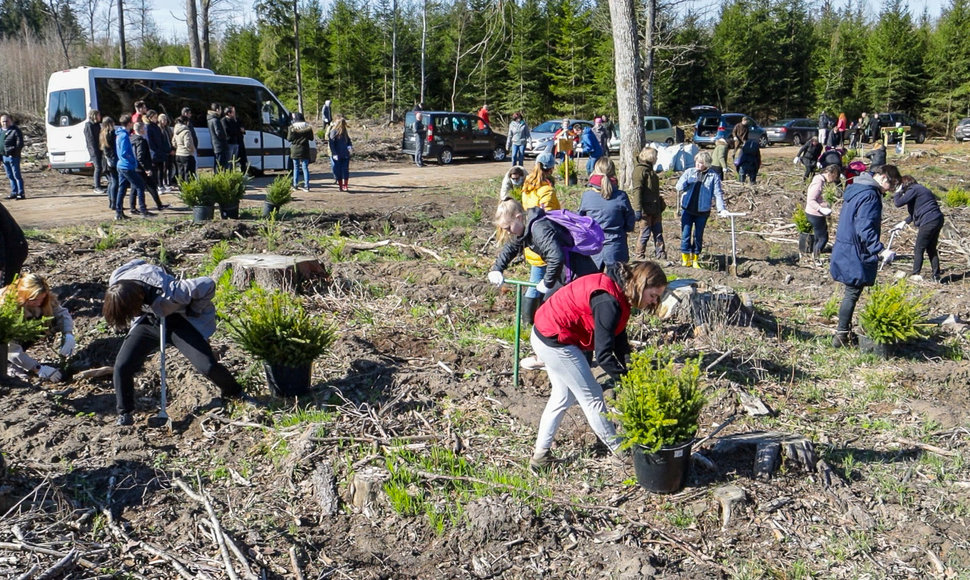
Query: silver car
(962, 132)
(542, 136)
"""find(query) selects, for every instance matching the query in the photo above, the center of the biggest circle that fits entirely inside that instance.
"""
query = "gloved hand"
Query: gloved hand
(795, 161)
(496, 277)
(67, 349)
(335, 158)
(638, 215)
(541, 287)
(887, 256)
(899, 227)
(49, 374)
(723, 213)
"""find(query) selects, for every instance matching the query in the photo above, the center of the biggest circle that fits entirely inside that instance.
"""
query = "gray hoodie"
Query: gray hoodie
(190, 298)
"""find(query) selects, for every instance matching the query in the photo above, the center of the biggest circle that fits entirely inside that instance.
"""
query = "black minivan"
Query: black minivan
(451, 135)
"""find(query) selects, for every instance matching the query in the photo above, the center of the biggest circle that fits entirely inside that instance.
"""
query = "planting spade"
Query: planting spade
(162, 419)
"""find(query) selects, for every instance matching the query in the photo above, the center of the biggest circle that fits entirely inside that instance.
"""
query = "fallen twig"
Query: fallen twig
(221, 539)
(24, 547)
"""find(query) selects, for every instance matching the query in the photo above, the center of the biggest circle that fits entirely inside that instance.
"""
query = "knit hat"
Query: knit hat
(546, 160)
(598, 120)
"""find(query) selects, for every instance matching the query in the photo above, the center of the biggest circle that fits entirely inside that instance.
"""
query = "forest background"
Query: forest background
(546, 58)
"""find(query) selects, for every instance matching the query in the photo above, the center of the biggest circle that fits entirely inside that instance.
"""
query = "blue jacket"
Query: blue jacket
(855, 254)
(591, 145)
(710, 188)
(616, 217)
(126, 154)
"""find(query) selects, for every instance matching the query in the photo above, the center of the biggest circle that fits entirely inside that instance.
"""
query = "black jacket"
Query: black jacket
(109, 159)
(13, 141)
(92, 134)
(830, 157)
(877, 158)
(217, 132)
(921, 204)
(547, 239)
(810, 151)
(233, 130)
(143, 152)
(13, 244)
(158, 143)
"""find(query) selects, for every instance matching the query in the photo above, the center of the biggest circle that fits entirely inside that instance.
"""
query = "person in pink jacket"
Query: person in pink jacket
(841, 126)
(817, 209)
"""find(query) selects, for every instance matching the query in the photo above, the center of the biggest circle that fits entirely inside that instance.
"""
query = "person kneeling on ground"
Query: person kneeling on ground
(589, 315)
(145, 293)
(33, 294)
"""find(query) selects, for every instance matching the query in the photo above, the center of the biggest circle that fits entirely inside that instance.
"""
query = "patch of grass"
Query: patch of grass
(109, 240)
(304, 415)
(831, 307)
(506, 333)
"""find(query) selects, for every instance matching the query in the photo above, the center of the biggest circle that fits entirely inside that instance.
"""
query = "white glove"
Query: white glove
(541, 287)
(795, 161)
(49, 374)
(825, 210)
(335, 158)
(67, 349)
(496, 277)
(724, 213)
(887, 256)
(899, 227)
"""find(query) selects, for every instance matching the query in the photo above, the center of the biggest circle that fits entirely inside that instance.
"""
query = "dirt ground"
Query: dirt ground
(418, 394)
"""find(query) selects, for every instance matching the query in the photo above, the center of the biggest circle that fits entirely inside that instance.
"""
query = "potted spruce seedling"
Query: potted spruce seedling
(658, 406)
(806, 235)
(274, 327)
(278, 193)
(893, 316)
(230, 187)
(566, 172)
(14, 327)
(198, 193)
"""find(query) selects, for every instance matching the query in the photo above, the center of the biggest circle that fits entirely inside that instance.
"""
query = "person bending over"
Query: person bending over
(33, 294)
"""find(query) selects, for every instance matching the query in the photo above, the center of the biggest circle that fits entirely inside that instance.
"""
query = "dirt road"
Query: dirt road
(56, 200)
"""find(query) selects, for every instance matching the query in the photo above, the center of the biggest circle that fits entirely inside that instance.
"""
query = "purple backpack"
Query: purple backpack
(588, 237)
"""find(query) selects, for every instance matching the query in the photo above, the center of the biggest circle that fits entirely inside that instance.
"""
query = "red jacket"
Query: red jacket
(568, 317)
(483, 113)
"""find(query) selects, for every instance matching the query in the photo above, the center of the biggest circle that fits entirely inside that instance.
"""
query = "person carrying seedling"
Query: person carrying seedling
(589, 315)
(141, 294)
(34, 295)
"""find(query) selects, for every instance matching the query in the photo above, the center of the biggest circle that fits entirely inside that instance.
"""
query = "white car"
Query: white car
(656, 130)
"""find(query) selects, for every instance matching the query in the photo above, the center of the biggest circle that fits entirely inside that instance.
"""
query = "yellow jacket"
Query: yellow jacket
(543, 196)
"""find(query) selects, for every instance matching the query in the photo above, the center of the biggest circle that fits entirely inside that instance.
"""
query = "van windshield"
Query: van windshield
(66, 108)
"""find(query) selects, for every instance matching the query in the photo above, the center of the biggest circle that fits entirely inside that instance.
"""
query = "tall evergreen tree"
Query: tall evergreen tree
(893, 61)
(948, 67)
(570, 78)
(523, 89)
(838, 62)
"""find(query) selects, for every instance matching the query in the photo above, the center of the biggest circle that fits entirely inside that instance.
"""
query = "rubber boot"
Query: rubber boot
(529, 307)
(685, 260)
(641, 252)
(695, 262)
(346, 187)
(842, 339)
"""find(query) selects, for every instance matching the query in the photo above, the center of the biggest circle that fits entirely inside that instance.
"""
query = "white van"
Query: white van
(113, 92)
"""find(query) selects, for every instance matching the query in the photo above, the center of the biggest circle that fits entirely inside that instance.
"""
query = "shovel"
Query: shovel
(162, 419)
(892, 236)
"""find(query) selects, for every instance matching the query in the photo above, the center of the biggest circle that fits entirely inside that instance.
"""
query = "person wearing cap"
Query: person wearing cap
(602, 134)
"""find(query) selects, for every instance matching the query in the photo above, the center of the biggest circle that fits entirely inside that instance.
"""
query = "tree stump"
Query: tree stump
(270, 271)
(366, 486)
(325, 489)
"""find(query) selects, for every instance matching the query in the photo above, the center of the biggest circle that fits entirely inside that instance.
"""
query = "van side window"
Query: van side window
(442, 126)
(461, 124)
(662, 123)
(476, 131)
(648, 125)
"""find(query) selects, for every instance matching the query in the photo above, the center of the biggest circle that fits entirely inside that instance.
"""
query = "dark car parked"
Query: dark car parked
(917, 131)
(451, 135)
(711, 124)
(792, 131)
(962, 132)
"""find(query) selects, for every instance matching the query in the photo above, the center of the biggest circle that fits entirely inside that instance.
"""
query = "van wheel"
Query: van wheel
(763, 141)
(445, 157)
(498, 154)
(921, 138)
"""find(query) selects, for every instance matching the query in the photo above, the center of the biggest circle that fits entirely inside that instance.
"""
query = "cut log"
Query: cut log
(270, 271)
(366, 486)
(728, 496)
(325, 489)
(796, 449)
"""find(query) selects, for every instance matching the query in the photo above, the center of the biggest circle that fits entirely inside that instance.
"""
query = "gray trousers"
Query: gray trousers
(572, 382)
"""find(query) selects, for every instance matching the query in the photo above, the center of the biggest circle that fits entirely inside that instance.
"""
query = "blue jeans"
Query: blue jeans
(301, 164)
(12, 166)
(535, 275)
(589, 165)
(137, 190)
(341, 168)
(518, 154)
(112, 176)
(696, 223)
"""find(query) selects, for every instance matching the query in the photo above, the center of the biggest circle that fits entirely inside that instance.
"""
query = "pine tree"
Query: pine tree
(893, 61)
(523, 89)
(569, 75)
(948, 67)
(838, 62)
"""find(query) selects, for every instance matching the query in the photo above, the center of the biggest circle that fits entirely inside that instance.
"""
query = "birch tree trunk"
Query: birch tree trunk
(394, 60)
(121, 34)
(192, 24)
(629, 103)
(424, 40)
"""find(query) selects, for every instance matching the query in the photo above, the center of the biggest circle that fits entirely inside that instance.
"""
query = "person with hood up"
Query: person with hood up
(648, 204)
(924, 212)
(749, 161)
(808, 156)
(612, 210)
(220, 141)
(857, 249)
(587, 318)
(143, 294)
(299, 135)
(33, 294)
(184, 149)
(698, 188)
(512, 184)
(517, 138)
(591, 146)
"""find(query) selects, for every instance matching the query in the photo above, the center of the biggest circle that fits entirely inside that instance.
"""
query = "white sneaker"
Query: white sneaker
(532, 363)
(916, 278)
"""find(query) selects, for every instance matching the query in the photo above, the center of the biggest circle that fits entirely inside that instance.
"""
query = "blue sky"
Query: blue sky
(170, 26)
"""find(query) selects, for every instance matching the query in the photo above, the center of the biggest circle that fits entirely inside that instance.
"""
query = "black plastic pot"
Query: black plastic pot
(203, 213)
(287, 381)
(269, 208)
(664, 471)
(806, 243)
(229, 212)
(869, 346)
